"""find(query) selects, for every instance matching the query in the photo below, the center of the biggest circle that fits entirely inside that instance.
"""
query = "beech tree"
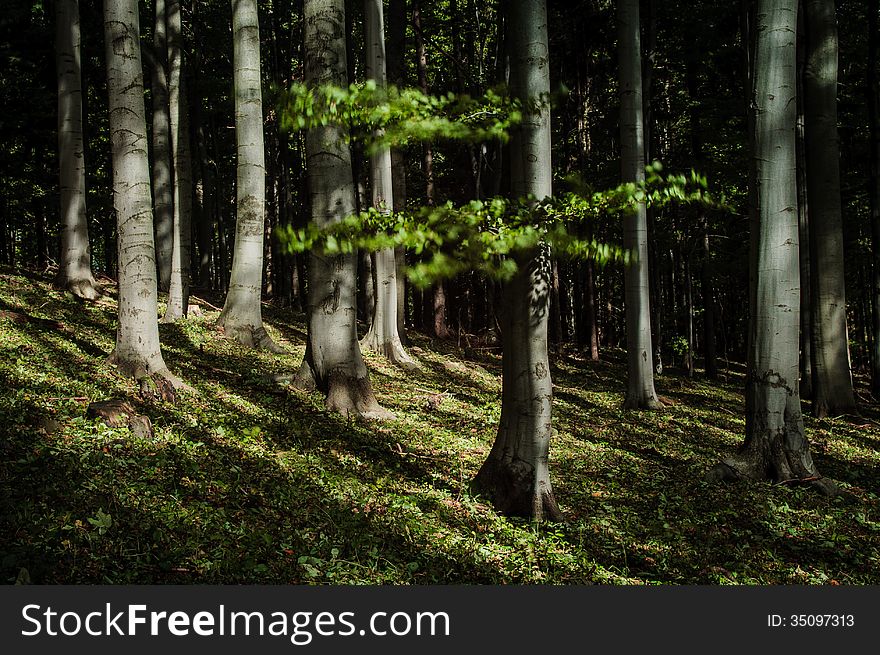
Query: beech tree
(137, 351)
(178, 289)
(383, 336)
(775, 446)
(832, 387)
(515, 475)
(242, 317)
(333, 362)
(75, 269)
(640, 393)
(163, 182)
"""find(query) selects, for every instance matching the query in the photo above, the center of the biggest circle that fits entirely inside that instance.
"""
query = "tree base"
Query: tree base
(734, 470)
(392, 350)
(153, 385)
(351, 396)
(642, 402)
(85, 288)
(511, 488)
(251, 337)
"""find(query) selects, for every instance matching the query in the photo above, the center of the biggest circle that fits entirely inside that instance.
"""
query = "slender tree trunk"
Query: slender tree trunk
(382, 335)
(516, 475)
(75, 267)
(709, 303)
(873, 90)
(241, 317)
(181, 256)
(775, 445)
(806, 340)
(832, 380)
(333, 362)
(137, 350)
(640, 388)
(163, 182)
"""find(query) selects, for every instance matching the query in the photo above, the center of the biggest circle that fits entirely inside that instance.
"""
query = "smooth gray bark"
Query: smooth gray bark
(832, 381)
(775, 446)
(137, 351)
(178, 290)
(382, 336)
(241, 317)
(333, 363)
(75, 268)
(516, 475)
(163, 182)
(640, 392)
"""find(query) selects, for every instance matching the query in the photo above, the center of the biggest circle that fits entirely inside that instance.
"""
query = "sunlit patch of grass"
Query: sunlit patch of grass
(248, 480)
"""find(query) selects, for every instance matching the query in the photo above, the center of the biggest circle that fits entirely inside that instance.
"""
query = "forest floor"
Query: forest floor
(250, 481)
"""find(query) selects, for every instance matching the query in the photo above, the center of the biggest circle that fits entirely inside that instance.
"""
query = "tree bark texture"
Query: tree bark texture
(832, 381)
(382, 336)
(775, 446)
(333, 362)
(137, 350)
(181, 257)
(516, 475)
(241, 317)
(75, 267)
(163, 181)
(640, 372)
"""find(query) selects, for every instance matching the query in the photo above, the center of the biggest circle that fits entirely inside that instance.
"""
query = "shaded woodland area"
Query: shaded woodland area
(528, 361)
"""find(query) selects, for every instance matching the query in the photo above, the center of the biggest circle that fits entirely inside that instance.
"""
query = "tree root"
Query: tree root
(84, 288)
(251, 336)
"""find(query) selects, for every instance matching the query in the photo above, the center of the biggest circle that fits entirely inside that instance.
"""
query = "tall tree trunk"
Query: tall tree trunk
(873, 90)
(438, 324)
(181, 257)
(382, 335)
(75, 269)
(832, 380)
(242, 315)
(137, 351)
(516, 475)
(163, 182)
(806, 340)
(640, 387)
(775, 445)
(709, 303)
(333, 362)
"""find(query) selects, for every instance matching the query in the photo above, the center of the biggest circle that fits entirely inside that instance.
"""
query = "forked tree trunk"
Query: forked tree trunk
(775, 446)
(640, 392)
(178, 290)
(382, 336)
(75, 268)
(241, 317)
(137, 350)
(832, 381)
(163, 182)
(516, 475)
(333, 362)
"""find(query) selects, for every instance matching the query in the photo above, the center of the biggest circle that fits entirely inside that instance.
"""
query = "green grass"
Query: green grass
(251, 482)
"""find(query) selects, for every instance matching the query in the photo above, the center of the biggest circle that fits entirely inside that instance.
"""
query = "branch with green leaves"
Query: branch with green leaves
(485, 236)
(389, 117)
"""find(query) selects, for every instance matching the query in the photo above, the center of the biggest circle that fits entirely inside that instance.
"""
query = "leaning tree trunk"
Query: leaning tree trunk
(178, 290)
(775, 446)
(75, 269)
(137, 350)
(382, 335)
(241, 317)
(333, 362)
(163, 182)
(832, 381)
(640, 392)
(516, 476)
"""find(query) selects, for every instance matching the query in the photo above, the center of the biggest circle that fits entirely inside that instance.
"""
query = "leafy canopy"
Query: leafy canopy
(484, 236)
